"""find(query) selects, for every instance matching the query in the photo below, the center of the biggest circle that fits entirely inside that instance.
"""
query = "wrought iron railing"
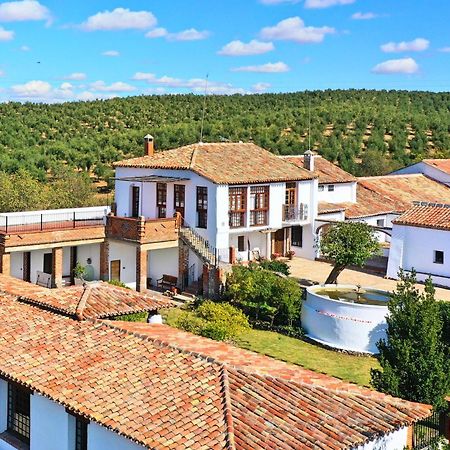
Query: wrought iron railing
(293, 213)
(427, 432)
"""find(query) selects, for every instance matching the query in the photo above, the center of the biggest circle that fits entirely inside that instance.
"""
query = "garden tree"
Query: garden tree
(263, 295)
(347, 244)
(414, 358)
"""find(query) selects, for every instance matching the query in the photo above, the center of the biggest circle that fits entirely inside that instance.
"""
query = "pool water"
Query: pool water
(360, 297)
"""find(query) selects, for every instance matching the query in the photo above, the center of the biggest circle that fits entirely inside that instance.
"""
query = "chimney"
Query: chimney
(308, 160)
(149, 146)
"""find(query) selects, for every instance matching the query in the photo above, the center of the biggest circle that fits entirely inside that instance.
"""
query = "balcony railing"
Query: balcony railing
(12, 223)
(293, 213)
(258, 218)
(237, 219)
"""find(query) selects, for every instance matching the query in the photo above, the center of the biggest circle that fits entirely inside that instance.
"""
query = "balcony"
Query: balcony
(142, 230)
(293, 213)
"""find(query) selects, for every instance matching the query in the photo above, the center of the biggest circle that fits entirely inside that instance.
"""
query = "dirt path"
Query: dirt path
(318, 271)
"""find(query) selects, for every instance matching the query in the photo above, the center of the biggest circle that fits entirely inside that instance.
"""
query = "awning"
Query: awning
(151, 179)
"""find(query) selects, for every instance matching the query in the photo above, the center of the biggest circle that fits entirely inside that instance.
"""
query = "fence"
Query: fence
(427, 432)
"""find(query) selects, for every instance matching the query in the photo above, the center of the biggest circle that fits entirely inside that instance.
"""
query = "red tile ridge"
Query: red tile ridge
(82, 303)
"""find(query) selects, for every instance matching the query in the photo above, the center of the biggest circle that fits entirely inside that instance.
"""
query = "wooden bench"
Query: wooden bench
(167, 282)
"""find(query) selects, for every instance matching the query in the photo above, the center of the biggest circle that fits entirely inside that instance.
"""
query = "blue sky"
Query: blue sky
(53, 50)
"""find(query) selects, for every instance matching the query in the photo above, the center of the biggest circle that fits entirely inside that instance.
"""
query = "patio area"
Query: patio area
(318, 271)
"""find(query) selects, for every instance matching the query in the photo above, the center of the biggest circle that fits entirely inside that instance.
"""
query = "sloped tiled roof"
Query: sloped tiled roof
(427, 215)
(441, 164)
(223, 163)
(186, 392)
(327, 208)
(394, 194)
(326, 171)
(94, 300)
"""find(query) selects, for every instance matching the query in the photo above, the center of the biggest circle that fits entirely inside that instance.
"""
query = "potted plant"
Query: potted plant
(290, 254)
(79, 272)
(275, 255)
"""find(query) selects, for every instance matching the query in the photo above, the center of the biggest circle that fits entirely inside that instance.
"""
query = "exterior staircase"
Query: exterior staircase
(199, 245)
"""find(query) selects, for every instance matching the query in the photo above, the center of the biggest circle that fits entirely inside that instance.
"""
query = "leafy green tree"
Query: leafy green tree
(348, 243)
(414, 358)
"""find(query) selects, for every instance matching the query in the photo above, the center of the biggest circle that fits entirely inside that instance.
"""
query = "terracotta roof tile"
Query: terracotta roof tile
(441, 164)
(327, 208)
(100, 300)
(223, 163)
(427, 215)
(395, 194)
(326, 171)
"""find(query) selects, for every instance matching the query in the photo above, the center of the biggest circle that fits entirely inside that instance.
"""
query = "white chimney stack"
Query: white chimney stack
(149, 145)
(308, 160)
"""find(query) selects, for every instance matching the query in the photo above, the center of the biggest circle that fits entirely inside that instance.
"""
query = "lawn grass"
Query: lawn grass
(348, 367)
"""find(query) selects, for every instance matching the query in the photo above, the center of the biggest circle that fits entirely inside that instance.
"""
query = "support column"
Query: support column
(141, 269)
(205, 281)
(183, 264)
(57, 263)
(104, 261)
(5, 263)
(269, 245)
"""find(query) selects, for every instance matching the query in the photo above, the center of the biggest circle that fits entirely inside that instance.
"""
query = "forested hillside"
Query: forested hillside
(366, 132)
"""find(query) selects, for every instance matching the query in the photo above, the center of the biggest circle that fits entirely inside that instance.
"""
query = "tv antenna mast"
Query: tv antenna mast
(204, 108)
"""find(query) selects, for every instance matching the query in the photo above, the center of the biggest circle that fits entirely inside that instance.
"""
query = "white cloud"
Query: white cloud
(264, 68)
(75, 76)
(313, 4)
(25, 48)
(239, 48)
(196, 85)
(119, 19)
(260, 87)
(157, 33)
(66, 86)
(112, 53)
(445, 49)
(417, 45)
(190, 34)
(32, 89)
(87, 96)
(364, 16)
(294, 29)
(118, 86)
(6, 35)
(23, 10)
(393, 66)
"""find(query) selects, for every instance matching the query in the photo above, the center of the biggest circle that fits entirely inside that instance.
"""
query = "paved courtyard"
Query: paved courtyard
(318, 271)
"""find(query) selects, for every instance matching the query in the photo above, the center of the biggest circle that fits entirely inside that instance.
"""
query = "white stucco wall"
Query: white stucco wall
(308, 250)
(3, 405)
(84, 252)
(413, 248)
(126, 253)
(162, 262)
(396, 440)
(49, 425)
(343, 192)
(257, 241)
(100, 438)
(427, 170)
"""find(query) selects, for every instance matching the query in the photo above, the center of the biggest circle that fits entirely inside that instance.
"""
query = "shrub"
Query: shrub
(219, 321)
(275, 266)
(118, 283)
(262, 295)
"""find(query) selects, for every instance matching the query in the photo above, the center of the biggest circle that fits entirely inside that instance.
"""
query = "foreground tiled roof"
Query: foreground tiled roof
(441, 164)
(326, 171)
(223, 163)
(395, 194)
(94, 300)
(425, 215)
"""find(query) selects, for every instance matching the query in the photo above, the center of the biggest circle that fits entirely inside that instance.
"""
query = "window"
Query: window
(241, 243)
(297, 236)
(321, 187)
(135, 207)
(438, 257)
(237, 199)
(19, 412)
(331, 188)
(161, 200)
(290, 194)
(259, 204)
(380, 223)
(81, 430)
(202, 207)
(178, 198)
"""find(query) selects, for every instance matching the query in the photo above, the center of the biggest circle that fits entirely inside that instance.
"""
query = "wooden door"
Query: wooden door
(278, 245)
(27, 266)
(179, 198)
(115, 270)
(135, 201)
(48, 263)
